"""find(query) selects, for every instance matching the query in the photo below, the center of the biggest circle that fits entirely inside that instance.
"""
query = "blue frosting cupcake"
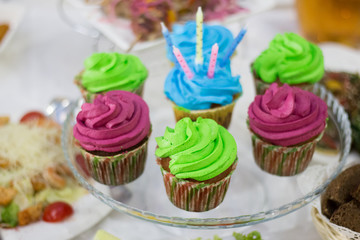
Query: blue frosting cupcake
(202, 96)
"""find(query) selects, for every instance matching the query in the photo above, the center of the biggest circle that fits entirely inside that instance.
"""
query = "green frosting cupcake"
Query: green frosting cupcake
(113, 71)
(198, 150)
(291, 59)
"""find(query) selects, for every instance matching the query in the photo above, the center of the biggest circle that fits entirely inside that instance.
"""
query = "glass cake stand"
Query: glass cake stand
(253, 196)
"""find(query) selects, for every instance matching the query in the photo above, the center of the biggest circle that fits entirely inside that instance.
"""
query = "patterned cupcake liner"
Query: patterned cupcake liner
(283, 161)
(116, 170)
(261, 86)
(222, 115)
(195, 196)
(89, 97)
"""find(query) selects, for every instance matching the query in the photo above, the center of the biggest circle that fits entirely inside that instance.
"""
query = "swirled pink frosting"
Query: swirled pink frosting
(114, 122)
(287, 116)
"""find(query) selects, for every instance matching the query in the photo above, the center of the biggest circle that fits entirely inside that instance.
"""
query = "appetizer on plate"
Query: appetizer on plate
(346, 88)
(35, 182)
(145, 15)
(4, 28)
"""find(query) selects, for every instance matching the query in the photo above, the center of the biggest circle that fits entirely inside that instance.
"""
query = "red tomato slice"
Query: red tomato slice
(32, 116)
(35, 118)
(57, 212)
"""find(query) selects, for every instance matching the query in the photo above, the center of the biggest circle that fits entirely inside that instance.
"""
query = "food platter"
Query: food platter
(10, 14)
(85, 216)
(119, 31)
(253, 196)
(29, 213)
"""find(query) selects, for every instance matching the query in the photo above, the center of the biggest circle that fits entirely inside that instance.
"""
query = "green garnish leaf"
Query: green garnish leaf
(9, 214)
(239, 236)
(254, 235)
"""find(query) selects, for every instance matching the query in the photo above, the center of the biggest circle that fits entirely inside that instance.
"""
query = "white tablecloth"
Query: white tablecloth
(44, 56)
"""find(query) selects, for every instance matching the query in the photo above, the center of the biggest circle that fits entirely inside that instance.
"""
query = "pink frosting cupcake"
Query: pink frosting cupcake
(286, 123)
(112, 133)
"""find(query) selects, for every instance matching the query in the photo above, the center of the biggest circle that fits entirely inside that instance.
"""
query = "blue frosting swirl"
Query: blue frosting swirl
(201, 92)
(184, 38)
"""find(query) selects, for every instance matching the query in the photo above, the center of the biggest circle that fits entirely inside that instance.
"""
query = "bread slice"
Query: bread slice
(348, 215)
(340, 189)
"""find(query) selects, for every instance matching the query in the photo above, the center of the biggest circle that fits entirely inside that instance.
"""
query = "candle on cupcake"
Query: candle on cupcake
(168, 40)
(185, 67)
(233, 46)
(213, 58)
(199, 37)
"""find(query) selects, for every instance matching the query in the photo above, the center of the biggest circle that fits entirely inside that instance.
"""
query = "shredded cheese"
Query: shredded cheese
(29, 150)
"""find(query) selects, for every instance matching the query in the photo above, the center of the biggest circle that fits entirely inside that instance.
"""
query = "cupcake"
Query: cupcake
(184, 38)
(112, 133)
(111, 71)
(203, 96)
(196, 161)
(286, 123)
(289, 59)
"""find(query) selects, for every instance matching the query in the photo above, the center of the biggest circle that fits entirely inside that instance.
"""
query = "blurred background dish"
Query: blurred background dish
(87, 212)
(10, 17)
(330, 20)
(120, 30)
(34, 169)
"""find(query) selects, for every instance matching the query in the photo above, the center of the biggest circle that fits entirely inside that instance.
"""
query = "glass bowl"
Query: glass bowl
(253, 196)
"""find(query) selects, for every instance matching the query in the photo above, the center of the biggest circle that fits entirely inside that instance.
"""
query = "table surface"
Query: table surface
(45, 54)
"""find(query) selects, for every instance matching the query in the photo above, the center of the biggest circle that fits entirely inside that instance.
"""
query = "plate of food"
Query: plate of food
(39, 194)
(10, 18)
(135, 25)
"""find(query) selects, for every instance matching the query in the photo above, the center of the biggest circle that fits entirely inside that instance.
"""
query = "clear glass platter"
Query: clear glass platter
(253, 196)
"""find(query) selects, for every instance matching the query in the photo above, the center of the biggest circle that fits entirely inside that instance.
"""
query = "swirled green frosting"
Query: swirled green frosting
(198, 150)
(113, 71)
(291, 59)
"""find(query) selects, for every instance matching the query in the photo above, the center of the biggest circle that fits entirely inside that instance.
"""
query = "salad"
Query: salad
(35, 182)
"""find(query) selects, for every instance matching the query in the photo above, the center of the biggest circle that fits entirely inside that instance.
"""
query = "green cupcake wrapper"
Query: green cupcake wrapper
(89, 97)
(283, 161)
(119, 169)
(195, 196)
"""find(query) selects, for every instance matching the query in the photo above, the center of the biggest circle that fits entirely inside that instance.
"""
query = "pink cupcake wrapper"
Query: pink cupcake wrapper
(117, 170)
(195, 196)
(283, 161)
